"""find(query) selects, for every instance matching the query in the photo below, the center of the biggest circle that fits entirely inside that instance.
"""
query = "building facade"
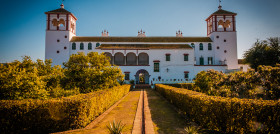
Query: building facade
(149, 59)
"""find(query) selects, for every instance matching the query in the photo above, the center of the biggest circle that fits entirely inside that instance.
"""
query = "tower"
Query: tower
(221, 28)
(61, 27)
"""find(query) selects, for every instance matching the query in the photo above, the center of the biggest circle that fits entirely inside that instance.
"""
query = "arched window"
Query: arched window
(109, 55)
(89, 46)
(209, 46)
(220, 24)
(131, 59)
(97, 44)
(81, 46)
(119, 58)
(200, 46)
(74, 46)
(143, 59)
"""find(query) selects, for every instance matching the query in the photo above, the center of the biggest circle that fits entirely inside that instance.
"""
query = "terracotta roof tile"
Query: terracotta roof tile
(222, 12)
(140, 39)
(60, 10)
(144, 46)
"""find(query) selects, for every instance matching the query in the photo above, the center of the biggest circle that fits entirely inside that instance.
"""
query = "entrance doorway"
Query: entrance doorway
(142, 77)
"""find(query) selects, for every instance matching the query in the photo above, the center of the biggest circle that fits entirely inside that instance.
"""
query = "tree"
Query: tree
(90, 72)
(266, 52)
(20, 80)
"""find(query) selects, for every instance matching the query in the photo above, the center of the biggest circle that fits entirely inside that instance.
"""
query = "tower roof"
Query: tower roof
(223, 12)
(60, 10)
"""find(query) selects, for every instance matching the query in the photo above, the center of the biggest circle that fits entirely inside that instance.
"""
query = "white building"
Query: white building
(149, 59)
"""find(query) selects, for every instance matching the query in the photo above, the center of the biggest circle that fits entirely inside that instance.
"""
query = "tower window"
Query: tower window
(65, 36)
(209, 46)
(167, 57)
(225, 40)
(81, 46)
(73, 46)
(200, 46)
(97, 44)
(89, 46)
(201, 61)
(217, 37)
(65, 47)
(218, 47)
(58, 40)
(225, 51)
(57, 51)
(156, 67)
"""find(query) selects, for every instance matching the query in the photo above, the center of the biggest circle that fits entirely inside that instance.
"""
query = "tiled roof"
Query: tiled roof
(60, 10)
(144, 46)
(140, 39)
(223, 12)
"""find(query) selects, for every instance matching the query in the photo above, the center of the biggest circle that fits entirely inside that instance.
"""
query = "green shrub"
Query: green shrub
(226, 114)
(90, 72)
(53, 115)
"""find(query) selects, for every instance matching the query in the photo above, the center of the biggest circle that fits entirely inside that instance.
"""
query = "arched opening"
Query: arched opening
(131, 59)
(74, 46)
(119, 58)
(220, 24)
(143, 59)
(109, 55)
(142, 76)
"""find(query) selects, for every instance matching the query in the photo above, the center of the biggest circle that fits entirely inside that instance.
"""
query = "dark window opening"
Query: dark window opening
(126, 77)
(200, 46)
(225, 40)
(186, 57)
(89, 46)
(218, 47)
(167, 58)
(57, 51)
(65, 36)
(65, 47)
(217, 37)
(156, 67)
(58, 40)
(73, 46)
(225, 51)
(82, 46)
(209, 46)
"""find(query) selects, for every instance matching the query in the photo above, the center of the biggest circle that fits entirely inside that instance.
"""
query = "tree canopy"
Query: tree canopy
(265, 52)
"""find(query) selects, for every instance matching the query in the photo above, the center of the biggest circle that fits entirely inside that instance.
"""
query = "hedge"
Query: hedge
(53, 115)
(189, 86)
(224, 114)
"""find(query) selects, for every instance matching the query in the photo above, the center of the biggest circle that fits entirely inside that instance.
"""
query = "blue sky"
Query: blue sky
(23, 22)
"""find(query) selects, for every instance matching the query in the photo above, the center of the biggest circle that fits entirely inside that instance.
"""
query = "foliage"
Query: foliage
(240, 84)
(19, 80)
(225, 114)
(266, 52)
(132, 82)
(191, 130)
(60, 114)
(115, 128)
(90, 72)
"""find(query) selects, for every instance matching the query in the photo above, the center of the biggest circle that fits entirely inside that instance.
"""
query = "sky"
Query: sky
(23, 22)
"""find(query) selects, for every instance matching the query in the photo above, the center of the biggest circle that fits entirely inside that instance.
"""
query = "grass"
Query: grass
(165, 119)
(124, 112)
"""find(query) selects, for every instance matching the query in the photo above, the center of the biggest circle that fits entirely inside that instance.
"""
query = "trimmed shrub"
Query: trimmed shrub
(226, 114)
(53, 115)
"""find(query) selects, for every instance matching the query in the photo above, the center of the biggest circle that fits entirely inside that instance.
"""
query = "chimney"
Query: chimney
(105, 33)
(141, 33)
(179, 34)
